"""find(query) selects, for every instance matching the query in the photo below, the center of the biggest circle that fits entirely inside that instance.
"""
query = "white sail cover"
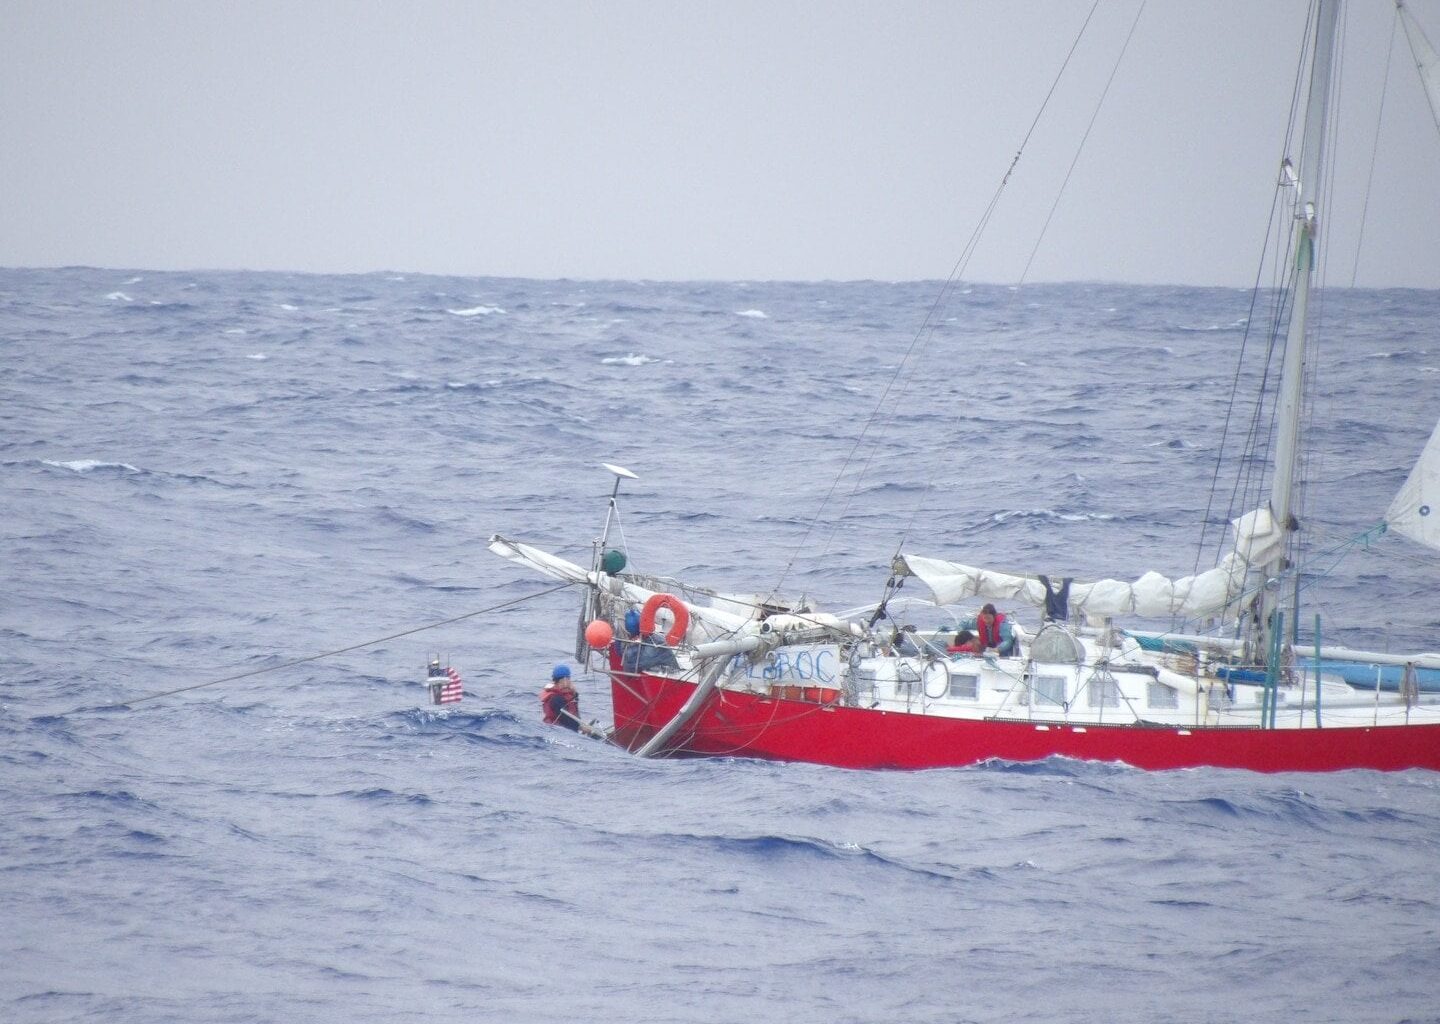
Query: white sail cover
(1256, 541)
(1426, 60)
(1415, 512)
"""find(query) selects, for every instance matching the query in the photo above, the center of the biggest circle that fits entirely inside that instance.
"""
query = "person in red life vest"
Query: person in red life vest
(994, 630)
(964, 643)
(559, 703)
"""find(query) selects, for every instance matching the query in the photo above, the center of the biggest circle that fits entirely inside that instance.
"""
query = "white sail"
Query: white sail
(1208, 593)
(1426, 59)
(1415, 512)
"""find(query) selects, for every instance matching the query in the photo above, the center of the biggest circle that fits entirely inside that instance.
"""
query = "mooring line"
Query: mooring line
(317, 657)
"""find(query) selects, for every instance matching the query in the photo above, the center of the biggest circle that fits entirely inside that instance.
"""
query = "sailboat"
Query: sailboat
(706, 672)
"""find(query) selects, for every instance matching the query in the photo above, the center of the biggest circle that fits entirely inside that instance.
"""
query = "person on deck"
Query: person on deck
(994, 630)
(964, 643)
(642, 653)
(903, 644)
(559, 703)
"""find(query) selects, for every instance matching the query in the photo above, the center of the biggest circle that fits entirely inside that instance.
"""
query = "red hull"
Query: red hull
(735, 724)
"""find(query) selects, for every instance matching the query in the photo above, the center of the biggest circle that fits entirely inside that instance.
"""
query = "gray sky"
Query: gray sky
(738, 140)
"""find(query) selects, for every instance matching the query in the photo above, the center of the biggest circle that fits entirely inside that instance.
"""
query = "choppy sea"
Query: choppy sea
(206, 474)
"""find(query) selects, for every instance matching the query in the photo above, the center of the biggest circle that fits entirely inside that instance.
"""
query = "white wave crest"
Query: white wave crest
(286, 305)
(86, 465)
(236, 330)
(1051, 514)
(119, 297)
(755, 314)
(475, 311)
(257, 355)
(1233, 325)
(628, 360)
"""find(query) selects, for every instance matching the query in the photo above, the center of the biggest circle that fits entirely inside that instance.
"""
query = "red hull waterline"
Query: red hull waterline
(738, 724)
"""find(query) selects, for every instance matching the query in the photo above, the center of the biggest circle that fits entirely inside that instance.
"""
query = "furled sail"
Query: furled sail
(1426, 59)
(1257, 540)
(1415, 512)
(719, 622)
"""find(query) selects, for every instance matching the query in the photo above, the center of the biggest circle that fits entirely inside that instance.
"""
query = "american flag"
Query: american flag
(448, 691)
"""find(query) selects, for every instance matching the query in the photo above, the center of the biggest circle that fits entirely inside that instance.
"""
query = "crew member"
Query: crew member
(994, 630)
(964, 643)
(559, 703)
(643, 653)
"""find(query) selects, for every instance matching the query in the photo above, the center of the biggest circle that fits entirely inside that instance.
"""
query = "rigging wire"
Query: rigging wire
(925, 331)
(1244, 478)
(1375, 146)
(1099, 105)
(1247, 488)
(1251, 478)
(317, 657)
(1413, 29)
(1234, 393)
(1079, 150)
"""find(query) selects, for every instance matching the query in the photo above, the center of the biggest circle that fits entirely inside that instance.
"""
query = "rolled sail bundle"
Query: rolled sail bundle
(1152, 595)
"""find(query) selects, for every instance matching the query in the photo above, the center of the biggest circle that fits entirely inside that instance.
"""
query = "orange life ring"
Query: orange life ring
(677, 609)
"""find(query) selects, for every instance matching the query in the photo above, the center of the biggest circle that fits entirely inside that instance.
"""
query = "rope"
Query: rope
(317, 657)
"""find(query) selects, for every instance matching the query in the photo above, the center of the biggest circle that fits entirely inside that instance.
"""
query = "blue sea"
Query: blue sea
(211, 474)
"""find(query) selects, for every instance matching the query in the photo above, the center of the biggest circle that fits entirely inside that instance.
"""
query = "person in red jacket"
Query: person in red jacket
(965, 643)
(993, 631)
(559, 703)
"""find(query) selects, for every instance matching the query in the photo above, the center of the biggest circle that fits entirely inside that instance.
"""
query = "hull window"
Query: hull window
(1049, 691)
(1158, 695)
(965, 687)
(1102, 691)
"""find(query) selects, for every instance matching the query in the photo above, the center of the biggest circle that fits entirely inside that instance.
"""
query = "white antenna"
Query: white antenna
(621, 473)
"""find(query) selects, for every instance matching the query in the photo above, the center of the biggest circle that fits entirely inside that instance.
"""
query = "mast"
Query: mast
(1308, 193)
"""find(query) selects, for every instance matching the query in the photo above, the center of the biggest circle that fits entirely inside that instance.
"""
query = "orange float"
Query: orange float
(599, 633)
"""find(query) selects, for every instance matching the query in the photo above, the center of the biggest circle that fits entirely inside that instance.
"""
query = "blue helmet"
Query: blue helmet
(632, 622)
(561, 672)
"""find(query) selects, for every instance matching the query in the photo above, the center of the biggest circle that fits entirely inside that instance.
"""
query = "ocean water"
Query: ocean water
(209, 474)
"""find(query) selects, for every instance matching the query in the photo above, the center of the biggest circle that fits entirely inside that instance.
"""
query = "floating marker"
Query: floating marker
(444, 684)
